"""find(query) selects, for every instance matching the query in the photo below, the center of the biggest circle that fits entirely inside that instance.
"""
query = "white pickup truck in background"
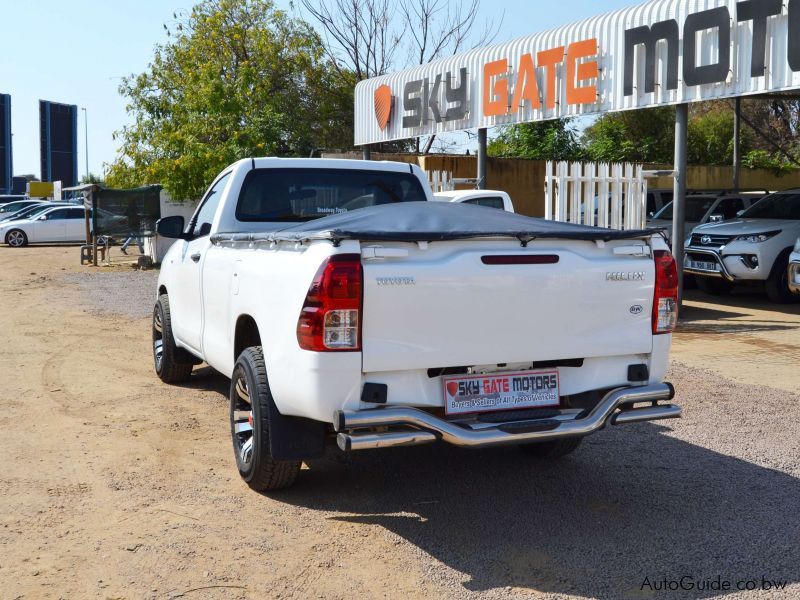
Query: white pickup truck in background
(406, 321)
(488, 198)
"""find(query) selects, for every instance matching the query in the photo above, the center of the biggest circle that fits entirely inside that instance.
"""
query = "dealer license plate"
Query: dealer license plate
(703, 265)
(465, 394)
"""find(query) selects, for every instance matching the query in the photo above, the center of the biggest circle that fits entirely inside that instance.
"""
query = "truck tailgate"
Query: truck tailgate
(471, 302)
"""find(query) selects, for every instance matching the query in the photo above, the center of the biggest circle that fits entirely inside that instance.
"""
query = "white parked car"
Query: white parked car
(794, 269)
(57, 224)
(407, 321)
(16, 206)
(701, 209)
(754, 247)
(488, 198)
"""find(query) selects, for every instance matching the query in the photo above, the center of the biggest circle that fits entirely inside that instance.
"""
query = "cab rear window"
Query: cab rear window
(305, 194)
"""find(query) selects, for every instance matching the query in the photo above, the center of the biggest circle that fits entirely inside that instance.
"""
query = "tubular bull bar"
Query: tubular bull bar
(403, 426)
(794, 280)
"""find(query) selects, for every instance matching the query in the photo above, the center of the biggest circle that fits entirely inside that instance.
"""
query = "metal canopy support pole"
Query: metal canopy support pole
(737, 133)
(679, 204)
(481, 159)
(94, 230)
(365, 152)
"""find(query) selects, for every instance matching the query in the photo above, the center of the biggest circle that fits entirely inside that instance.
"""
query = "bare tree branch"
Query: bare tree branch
(363, 36)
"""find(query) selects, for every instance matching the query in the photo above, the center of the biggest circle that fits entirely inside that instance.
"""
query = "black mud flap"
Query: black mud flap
(294, 438)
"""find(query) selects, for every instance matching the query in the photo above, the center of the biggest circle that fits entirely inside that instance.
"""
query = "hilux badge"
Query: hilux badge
(630, 276)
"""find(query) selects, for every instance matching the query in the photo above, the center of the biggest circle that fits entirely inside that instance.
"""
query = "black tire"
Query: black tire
(777, 284)
(552, 450)
(713, 286)
(16, 238)
(250, 389)
(172, 364)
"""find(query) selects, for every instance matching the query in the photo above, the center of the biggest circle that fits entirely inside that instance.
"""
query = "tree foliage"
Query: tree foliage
(633, 136)
(238, 78)
(769, 136)
(547, 140)
(92, 178)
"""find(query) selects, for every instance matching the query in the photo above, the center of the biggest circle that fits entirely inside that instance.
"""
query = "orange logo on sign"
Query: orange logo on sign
(383, 105)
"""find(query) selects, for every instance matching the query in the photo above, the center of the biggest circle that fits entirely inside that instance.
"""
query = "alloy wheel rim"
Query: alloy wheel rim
(158, 339)
(15, 239)
(242, 421)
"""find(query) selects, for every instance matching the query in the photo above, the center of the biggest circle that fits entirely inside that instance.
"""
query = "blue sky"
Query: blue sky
(76, 52)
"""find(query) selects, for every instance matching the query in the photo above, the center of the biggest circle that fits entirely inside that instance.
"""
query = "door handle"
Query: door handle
(196, 256)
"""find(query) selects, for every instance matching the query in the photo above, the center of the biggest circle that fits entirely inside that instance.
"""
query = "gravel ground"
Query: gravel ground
(149, 492)
(123, 292)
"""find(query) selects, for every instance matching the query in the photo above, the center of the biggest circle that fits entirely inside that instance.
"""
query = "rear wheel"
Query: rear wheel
(714, 287)
(249, 411)
(16, 238)
(552, 450)
(171, 363)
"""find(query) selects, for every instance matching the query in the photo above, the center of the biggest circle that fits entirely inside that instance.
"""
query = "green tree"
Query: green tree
(646, 135)
(92, 178)
(546, 140)
(238, 78)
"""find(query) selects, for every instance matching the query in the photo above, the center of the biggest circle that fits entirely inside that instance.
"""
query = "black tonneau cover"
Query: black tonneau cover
(433, 221)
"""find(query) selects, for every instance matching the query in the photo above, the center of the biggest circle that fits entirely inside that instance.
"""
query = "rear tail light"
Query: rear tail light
(665, 302)
(331, 317)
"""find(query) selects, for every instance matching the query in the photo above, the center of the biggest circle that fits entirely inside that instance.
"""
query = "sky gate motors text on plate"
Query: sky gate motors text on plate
(530, 79)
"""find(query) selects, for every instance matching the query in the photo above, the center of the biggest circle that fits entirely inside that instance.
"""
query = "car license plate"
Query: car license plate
(703, 265)
(466, 394)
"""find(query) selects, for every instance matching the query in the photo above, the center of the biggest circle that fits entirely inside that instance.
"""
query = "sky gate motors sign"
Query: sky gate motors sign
(663, 52)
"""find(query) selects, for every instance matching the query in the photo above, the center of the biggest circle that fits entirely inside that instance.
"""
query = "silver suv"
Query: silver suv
(754, 247)
(704, 208)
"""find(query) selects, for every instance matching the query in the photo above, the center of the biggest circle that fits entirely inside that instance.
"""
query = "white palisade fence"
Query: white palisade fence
(612, 195)
(441, 181)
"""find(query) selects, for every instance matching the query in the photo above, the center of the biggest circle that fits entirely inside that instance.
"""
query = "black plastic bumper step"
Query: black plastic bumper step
(533, 414)
(528, 426)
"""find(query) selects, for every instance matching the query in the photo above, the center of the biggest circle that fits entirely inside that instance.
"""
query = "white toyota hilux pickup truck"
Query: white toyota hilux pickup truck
(406, 321)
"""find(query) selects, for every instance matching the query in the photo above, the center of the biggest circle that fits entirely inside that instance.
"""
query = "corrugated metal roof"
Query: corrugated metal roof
(609, 30)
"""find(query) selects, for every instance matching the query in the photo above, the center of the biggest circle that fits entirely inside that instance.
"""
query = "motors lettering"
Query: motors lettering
(718, 21)
(526, 383)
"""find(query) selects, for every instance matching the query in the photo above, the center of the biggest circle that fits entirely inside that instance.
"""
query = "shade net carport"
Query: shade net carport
(121, 214)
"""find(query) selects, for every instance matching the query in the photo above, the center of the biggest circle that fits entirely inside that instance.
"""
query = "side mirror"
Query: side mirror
(43, 218)
(716, 218)
(171, 227)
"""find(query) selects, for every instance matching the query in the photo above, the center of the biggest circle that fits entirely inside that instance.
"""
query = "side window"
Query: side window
(729, 207)
(488, 202)
(57, 215)
(651, 203)
(201, 222)
(76, 213)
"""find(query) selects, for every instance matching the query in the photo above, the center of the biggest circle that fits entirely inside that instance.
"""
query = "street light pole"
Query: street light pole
(86, 140)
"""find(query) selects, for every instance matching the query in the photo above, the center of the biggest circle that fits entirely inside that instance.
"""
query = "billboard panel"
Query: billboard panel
(58, 134)
(659, 53)
(6, 159)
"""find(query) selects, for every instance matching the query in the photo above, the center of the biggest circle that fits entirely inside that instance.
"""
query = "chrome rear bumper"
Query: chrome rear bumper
(391, 427)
